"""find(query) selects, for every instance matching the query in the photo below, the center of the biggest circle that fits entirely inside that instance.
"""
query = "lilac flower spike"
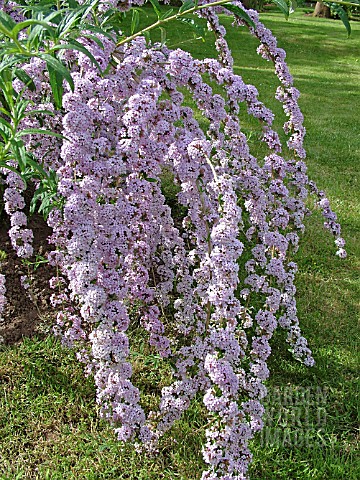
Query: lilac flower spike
(208, 286)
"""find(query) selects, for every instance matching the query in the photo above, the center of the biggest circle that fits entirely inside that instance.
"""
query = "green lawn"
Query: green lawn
(49, 427)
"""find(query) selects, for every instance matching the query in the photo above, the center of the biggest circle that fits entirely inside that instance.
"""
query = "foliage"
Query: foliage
(344, 11)
(208, 288)
(339, 9)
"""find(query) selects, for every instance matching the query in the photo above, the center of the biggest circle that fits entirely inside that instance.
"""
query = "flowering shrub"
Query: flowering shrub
(210, 285)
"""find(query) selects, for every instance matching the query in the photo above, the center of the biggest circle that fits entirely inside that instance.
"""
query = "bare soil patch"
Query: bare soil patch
(27, 309)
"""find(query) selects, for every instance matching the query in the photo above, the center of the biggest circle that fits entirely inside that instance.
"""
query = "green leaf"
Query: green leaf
(19, 151)
(4, 135)
(187, 5)
(8, 167)
(68, 22)
(6, 124)
(147, 37)
(95, 29)
(167, 14)
(112, 18)
(90, 8)
(6, 23)
(56, 65)
(22, 25)
(73, 3)
(44, 26)
(47, 190)
(162, 35)
(19, 110)
(36, 167)
(4, 111)
(29, 131)
(283, 6)
(25, 78)
(7, 62)
(342, 14)
(40, 8)
(56, 83)
(239, 12)
(74, 17)
(134, 21)
(75, 45)
(43, 112)
(156, 7)
(93, 38)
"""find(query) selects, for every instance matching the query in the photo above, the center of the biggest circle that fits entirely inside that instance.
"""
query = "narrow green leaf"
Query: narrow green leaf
(90, 8)
(186, 6)
(6, 23)
(19, 109)
(69, 21)
(56, 83)
(156, 7)
(33, 202)
(4, 111)
(58, 67)
(134, 21)
(77, 46)
(43, 112)
(162, 35)
(22, 25)
(29, 131)
(16, 53)
(8, 167)
(167, 14)
(112, 18)
(7, 62)
(43, 9)
(342, 14)
(34, 36)
(283, 6)
(95, 29)
(93, 38)
(19, 153)
(239, 12)
(43, 27)
(6, 124)
(5, 31)
(37, 167)
(4, 135)
(147, 37)
(25, 79)
(149, 179)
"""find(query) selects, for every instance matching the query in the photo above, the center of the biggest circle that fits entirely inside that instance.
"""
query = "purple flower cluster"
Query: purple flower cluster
(118, 245)
(2, 294)
(119, 249)
(21, 238)
(12, 9)
(330, 217)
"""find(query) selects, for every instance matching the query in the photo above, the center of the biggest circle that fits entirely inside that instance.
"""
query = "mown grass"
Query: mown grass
(49, 427)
